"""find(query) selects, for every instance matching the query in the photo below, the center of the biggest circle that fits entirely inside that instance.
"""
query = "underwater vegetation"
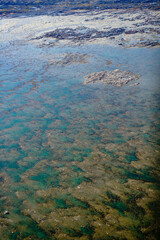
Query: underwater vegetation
(78, 161)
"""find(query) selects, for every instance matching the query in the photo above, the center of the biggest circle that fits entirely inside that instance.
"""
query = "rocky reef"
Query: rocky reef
(116, 77)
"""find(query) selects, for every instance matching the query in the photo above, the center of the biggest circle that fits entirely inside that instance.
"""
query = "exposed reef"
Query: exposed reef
(116, 77)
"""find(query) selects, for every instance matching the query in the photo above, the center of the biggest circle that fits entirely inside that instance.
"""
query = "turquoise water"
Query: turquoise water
(78, 162)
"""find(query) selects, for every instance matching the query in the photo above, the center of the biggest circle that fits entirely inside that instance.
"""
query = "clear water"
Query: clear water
(78, 162)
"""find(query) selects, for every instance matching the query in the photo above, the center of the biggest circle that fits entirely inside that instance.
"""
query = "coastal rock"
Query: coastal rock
(116, 77)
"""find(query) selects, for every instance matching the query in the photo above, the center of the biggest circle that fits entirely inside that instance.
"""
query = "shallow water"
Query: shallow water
(78, 162)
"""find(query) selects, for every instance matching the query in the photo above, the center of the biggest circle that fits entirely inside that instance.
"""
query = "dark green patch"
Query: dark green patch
(46, 179)
(113, 197)
(76, 169)
(60, 203)
(122, 180)
(75, 181)
(74, 202)
(110, 153)
(87, 230)
(71, 232)
(130, 157)
(76, 154)
(155, 186)
(132, 173)
(120, 206)
(30, 229)
(67, 201)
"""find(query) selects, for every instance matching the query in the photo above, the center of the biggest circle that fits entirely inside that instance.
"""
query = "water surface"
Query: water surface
(78, 162)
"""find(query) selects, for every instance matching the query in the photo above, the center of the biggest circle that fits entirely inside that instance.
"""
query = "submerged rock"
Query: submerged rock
(6, 212)
(71, 58)
(134, 84)
(108, 62)
(116, 77)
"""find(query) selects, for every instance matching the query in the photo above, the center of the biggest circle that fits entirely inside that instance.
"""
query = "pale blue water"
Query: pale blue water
(57, 134)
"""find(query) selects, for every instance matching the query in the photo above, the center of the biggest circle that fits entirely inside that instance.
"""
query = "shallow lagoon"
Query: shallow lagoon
(78, 162)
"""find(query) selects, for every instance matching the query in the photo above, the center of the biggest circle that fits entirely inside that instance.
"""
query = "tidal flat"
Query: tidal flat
(79, 161)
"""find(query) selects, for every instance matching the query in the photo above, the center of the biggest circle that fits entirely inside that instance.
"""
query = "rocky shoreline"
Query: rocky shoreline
(132, 28)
